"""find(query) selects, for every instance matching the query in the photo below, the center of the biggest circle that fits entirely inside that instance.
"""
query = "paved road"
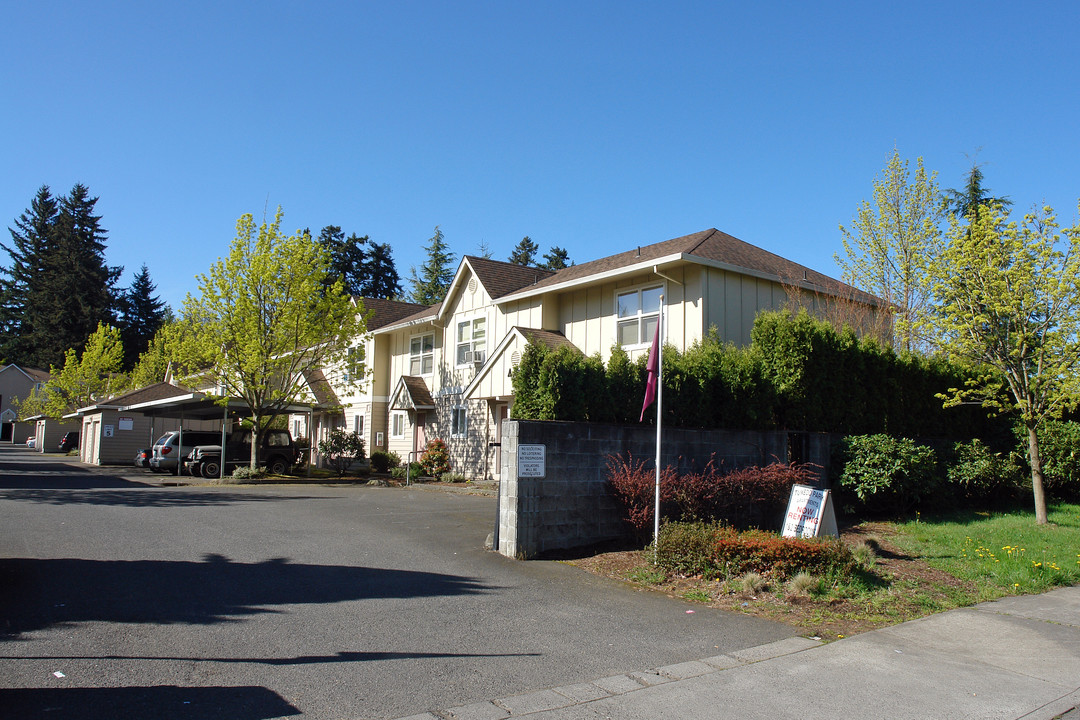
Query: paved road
(320, 602)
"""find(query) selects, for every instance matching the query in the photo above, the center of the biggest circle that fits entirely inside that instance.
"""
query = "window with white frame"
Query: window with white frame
(358, 424)
(422, 355)
(397, 425)
(471, 341)
(459, 422)
(354, 365)
(638, 312)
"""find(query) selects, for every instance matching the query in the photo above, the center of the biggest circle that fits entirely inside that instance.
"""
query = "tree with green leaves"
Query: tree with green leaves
(525, 252)
(556, 259)
(84, 379)
(264, 318)
(141, 314)
(436, 274)
(886, 249)
(1009, 302)
(22, 282)
(153, 363)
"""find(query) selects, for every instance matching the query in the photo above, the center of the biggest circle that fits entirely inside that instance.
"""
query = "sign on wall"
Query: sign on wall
(810, 513)
(531, 460)
(107, 431)
(125, 423)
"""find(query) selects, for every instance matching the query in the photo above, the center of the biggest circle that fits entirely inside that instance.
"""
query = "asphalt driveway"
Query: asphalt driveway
(123, 599)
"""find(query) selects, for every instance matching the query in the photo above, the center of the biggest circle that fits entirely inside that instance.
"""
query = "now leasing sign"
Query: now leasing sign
(810, 513)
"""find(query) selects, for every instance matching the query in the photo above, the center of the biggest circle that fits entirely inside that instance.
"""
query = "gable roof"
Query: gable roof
(388, 312)
(552, 339)
(157, 391)
(414, 392)
(708, 247)
(34, 374)
(502, 278)
(320, 388)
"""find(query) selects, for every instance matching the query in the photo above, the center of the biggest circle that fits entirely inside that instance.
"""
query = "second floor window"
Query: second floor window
(471, 341)
(422, 355)
(638, 312)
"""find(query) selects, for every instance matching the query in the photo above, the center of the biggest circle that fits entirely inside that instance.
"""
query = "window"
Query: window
(638, 312)
(471, 339)
(422, 355)
(459, 426)
(397, 425)
(354, 365)
(358, 424)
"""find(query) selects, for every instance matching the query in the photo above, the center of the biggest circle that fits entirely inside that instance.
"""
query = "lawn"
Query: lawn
(920, 567)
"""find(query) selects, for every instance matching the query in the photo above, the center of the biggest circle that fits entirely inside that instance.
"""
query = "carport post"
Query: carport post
(221, 460)
(310, 420)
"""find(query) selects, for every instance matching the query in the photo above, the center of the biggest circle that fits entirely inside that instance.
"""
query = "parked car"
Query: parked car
(165, 455)
(278, 454)
(142, 458)
(70, 441)
(31, 441)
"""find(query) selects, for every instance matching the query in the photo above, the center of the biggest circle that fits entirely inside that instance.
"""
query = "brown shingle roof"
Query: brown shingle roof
(320, 388)
(418, 391)
(157, 391)
(552, 339)
(502, 278)
(388, 312)
(718, 247)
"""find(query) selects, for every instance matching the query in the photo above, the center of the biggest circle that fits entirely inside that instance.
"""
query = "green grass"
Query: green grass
(1003, 553)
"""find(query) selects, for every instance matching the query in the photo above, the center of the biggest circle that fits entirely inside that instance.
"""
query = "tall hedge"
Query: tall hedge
(798, 373)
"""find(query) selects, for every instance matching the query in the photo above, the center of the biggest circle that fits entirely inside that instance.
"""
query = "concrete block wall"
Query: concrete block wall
(571, 507)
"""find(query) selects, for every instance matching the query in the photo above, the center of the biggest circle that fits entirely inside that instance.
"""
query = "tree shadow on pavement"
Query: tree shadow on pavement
(142, 497)
(164, 702)
(41, 593)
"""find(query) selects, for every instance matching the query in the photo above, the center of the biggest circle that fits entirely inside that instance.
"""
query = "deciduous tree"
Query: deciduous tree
(1009, 296)
(264, 317)
(889, 241)
(83, 379)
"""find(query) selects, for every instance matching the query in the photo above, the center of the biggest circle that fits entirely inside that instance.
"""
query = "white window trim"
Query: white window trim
(471, 343)
(393, 425)
(642, 342)
(358, 424)
(462, 432)
(409, 356)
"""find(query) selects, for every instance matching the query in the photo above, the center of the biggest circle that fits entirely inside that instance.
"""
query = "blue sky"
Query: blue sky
(594, 126)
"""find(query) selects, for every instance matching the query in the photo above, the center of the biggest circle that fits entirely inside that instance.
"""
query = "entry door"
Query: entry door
(501, 413)
(421, 433)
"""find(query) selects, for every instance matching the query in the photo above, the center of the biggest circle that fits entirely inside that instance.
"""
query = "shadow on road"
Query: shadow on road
(40, 593)
(143, 497)
(165, 702)
(338, 657)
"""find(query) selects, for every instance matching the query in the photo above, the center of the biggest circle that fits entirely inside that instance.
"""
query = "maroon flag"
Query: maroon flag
(652, 368)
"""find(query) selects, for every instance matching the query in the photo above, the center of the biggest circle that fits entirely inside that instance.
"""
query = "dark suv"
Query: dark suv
(278, 454)
(70, 441)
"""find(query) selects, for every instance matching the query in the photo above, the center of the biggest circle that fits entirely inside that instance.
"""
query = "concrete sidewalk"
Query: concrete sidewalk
(1018, 657)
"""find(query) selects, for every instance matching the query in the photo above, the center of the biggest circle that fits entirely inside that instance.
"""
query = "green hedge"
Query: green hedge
(798, 373)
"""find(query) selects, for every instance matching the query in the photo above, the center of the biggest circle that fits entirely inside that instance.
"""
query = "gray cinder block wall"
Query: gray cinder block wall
(570, 505)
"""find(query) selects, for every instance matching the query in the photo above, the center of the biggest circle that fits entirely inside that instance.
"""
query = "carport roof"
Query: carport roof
(200, 406)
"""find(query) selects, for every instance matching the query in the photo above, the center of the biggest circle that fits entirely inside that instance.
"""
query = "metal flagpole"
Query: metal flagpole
(659, 406)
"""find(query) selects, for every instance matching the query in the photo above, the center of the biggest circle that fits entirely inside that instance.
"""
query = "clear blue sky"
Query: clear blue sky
(595, 126)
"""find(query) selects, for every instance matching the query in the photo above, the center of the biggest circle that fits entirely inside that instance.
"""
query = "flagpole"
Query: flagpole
(659, 410)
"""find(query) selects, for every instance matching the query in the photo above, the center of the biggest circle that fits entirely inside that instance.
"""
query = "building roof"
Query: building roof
(710, 247)
(320, 387)
(551, 339)
(35, 374)
(502, 278)
(414, 392)
(388, 312)
(157, 391)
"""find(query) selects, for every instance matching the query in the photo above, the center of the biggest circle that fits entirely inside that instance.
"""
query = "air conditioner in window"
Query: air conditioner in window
(478, 357)
(469, 356)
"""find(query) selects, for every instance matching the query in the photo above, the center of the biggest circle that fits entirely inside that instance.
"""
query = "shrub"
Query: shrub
(714, 550)
(382, 461)
(244, 472)
(634, 488)
(979, 476)
(435, 460)
(1059, 450)
(887, 474)
(452, 477)
(341, 449)
(399, 472)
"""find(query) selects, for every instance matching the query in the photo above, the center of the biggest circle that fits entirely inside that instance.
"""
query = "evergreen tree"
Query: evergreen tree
(973, 198)
(484, 250)
(525, 252)
(21, 283)
(347, 258)
(381, 279)
(436, 273)
(141, 314)
(556, 259)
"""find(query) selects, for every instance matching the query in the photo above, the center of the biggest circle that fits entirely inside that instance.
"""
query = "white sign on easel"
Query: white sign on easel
(810, 513)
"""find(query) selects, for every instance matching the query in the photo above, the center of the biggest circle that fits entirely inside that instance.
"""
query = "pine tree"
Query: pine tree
(436, 273)
(525, 252)
(484, 250)
(20, 284)
(556, 259)
(381, 279)
(141, 314)
(78, 287)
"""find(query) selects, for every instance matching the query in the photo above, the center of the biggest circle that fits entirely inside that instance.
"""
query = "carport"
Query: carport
(200, 406)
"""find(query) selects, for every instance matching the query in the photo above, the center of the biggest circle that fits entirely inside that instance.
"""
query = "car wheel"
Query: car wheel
(210, 470)
(278, 466)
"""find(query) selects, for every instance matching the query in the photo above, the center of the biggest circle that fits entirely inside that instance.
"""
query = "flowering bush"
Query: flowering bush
(435, 459)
